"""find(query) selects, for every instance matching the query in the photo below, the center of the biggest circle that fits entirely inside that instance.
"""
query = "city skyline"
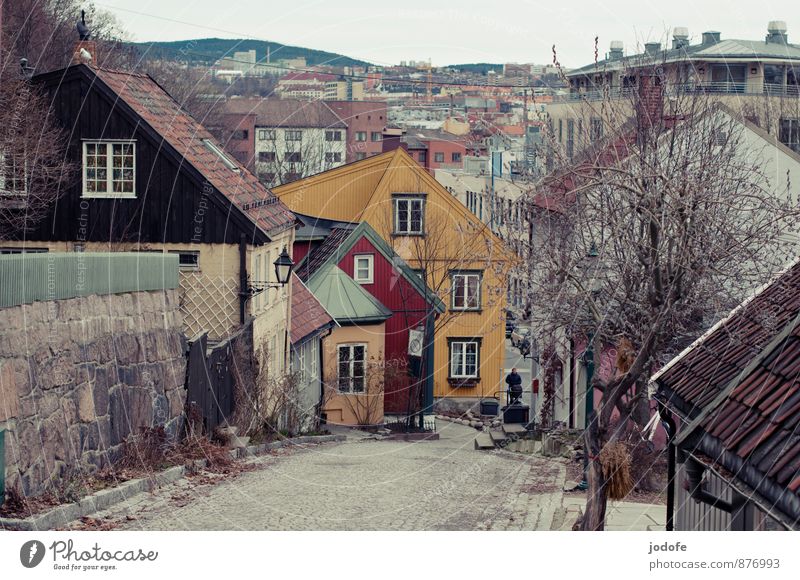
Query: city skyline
(516, 32)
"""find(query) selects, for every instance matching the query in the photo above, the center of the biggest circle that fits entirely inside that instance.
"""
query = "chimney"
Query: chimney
(652, 48)
(680, 37)
(710, 38)
(615, 50)
(651, 99)
(85, 51)
(776, 32)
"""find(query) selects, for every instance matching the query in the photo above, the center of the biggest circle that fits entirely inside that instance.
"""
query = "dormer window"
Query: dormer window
(109, 169)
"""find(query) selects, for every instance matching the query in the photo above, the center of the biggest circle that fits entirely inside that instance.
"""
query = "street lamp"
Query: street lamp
(283, 270)
(588, 361)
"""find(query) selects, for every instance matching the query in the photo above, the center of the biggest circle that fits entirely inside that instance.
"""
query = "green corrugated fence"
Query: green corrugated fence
(26, 278)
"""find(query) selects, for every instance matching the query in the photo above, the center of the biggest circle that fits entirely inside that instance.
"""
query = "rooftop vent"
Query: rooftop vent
(615, 50)
(711, 37)
(652, 48)
(680, 37)
(776, 32)
(226, 161)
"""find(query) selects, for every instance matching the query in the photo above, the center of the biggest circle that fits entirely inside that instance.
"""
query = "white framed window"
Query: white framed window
(352, 367)
(109, 169)
(333, 135)
(465, 290)
(361, 135)
(294, 135)
(333, 157)
(464, 358)
(376, 136)
(364, 268)
(13, 174)
(188, 260)
(266, 134)
(409, 215)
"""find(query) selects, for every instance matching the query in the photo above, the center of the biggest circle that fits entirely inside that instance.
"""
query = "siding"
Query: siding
(33, 277)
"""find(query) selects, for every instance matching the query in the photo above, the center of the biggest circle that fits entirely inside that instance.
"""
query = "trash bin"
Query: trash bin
(2, 466)
(490, 407)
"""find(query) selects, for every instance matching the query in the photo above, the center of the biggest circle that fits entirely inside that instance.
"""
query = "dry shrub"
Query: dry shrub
(149, 449)
(616, 462)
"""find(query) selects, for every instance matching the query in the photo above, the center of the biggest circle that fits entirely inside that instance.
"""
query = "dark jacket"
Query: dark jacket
(513, 379)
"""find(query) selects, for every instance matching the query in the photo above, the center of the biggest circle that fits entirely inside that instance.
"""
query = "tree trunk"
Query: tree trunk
(594, 517)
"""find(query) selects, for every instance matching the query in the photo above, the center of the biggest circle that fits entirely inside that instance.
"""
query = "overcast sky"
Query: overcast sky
(451, 32)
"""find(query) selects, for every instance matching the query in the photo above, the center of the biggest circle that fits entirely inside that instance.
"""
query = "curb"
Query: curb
(106, 498)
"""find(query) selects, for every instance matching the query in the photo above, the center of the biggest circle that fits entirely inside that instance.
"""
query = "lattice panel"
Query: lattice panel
(209, 303)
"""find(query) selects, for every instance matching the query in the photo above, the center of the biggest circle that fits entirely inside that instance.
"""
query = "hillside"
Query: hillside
(208, 50)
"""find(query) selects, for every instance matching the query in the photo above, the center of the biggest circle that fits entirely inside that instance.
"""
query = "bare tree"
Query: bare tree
(666, 220)
(33, 166)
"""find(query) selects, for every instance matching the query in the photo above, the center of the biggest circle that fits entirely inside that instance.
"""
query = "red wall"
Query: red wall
(397, 294)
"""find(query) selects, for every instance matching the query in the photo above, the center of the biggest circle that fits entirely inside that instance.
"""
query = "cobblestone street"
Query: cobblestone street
(364, 484)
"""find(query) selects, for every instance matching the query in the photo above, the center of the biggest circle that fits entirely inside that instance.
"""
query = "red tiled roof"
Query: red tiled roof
(181, 131)
(740, 383)
(308, 315)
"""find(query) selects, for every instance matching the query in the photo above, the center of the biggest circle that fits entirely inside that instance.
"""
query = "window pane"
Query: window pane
(473, 291)
(416, 216)
(458, 291)
(402, 215)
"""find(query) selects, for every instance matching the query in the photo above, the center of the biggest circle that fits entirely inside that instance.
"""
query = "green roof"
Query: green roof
(344, 298)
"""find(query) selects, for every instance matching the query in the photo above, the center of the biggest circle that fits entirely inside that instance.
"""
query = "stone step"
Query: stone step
(239, 442)
(484, 441)
(514, 429)
(498, 436)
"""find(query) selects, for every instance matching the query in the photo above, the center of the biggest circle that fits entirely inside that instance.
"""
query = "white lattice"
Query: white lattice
(209, 303)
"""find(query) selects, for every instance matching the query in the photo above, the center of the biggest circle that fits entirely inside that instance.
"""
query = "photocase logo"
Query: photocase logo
(31, 553)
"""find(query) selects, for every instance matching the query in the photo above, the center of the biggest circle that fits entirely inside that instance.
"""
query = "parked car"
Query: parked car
(511, 324)
(519, 334)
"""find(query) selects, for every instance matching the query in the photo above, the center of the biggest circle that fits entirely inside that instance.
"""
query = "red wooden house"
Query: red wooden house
(363, 255)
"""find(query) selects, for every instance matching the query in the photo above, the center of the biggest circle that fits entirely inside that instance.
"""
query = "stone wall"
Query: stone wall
(77, 376)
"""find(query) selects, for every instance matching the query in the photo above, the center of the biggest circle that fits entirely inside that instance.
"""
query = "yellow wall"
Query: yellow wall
(455, 239)
(346, 409)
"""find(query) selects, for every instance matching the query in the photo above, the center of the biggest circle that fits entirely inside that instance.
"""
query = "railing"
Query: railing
(26, 278)
(735, 88)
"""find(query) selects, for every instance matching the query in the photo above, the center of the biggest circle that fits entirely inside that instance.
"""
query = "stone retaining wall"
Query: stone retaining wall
(77, 376)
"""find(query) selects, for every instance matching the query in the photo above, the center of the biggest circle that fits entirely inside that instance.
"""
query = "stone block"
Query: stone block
(84, 399)
(100, 397)
(127, 349)
(130, 409)
(99, 435)
(9, 395)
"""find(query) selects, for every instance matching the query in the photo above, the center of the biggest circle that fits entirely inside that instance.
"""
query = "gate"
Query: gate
(210, 380)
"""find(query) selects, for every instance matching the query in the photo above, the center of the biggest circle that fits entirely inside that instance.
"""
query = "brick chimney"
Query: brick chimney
(89, 46)
(650, 102)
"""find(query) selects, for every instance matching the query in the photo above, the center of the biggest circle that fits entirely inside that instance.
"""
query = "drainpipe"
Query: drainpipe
(670, 427)
(243, 294)
(573, 367)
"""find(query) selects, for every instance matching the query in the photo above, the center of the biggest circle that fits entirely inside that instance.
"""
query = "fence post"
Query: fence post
(2, 466)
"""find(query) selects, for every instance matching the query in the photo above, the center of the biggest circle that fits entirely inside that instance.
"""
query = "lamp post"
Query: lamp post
(588, 361)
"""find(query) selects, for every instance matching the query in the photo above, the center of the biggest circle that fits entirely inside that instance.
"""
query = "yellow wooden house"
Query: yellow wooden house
(462, 261)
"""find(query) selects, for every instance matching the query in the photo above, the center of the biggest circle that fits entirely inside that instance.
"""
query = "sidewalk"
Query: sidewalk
(620, 515)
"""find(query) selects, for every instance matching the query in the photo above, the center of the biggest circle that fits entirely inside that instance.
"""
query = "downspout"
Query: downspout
(243, 293)
(670, 427)
(573, 367)
(321, 403)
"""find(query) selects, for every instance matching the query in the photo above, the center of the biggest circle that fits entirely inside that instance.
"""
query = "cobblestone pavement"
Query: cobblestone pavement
(366, 485)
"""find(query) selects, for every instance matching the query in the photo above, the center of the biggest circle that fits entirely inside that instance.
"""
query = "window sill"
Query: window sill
(475, 310)
(108, 195)
(464, 381)
(408, 235)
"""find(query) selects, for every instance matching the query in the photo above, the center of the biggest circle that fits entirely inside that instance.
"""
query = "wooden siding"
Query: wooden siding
(398, 295)
(172, 204)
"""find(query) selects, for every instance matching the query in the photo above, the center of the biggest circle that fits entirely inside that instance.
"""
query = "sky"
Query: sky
(451, 32)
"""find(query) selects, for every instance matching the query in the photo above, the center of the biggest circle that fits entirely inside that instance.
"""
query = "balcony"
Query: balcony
(732, 88)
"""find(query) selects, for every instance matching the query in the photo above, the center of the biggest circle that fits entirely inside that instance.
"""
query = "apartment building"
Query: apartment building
(758, 78)
(288, 139)
(366, 121)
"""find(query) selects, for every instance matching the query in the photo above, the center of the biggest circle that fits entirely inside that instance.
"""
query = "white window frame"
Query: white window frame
(335, 136)
(361, 136)
(409, 231)
(109, 193)
(458, 368)
(370, 258)
(186, 267)
(266, 134)
(350, 388)
(293, 135)
(465, 276)
(4, 179)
